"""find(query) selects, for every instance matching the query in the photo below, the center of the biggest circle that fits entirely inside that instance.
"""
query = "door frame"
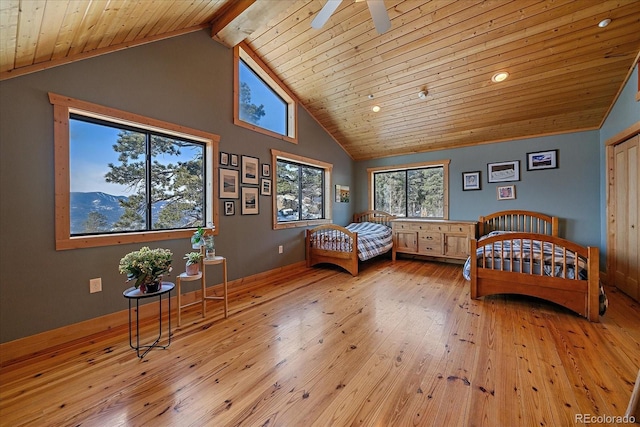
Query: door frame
(610, 193)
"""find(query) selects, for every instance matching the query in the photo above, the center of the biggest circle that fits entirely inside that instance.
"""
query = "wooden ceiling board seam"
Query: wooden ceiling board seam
(158, 10)
(406, 61)
(53, 17)
(349, 50)
(185, 14)
(105, 27)
(308, 41)
(66, 32)
(337, 66)
(436, 86)
(27, 35)
(85, 31)
(124, 19)
(448, 93)
(171, 16)
(9, 12)
(288, 24)
(143, 13)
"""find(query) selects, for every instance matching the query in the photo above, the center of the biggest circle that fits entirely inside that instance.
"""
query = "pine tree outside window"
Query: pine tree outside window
(412, 191)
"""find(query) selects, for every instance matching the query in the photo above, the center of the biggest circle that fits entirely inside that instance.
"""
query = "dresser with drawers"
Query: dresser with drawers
(444, 239)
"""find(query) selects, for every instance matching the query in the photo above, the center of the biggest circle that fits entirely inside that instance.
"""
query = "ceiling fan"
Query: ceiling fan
(376, 7)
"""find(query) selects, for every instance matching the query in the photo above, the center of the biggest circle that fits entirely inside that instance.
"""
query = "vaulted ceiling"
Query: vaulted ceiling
(565, 71)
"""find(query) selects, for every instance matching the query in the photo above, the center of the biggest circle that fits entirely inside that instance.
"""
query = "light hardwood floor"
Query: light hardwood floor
(401, 344)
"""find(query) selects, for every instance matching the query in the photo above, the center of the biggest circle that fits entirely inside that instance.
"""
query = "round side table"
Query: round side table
(134, 294)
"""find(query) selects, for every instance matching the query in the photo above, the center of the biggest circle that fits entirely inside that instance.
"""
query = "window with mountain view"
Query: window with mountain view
(415, 191)
(302, 193)
(263, 102)
(125, 179)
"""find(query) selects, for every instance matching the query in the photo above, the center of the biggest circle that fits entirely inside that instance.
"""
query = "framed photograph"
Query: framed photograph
(250, 201)
(506, 192)
(471, 181)
(342, 194)
(542, 160)
(224, 158)
(228, 183)
(504, 171)
(249, 170)
(234, 160)
(266, 170)
(265, 187)
(229, 207)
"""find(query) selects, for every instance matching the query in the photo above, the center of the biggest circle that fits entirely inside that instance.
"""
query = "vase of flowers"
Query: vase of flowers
(146, 266)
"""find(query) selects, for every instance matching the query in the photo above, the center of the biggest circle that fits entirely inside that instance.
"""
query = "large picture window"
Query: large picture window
(261, 101)
(302, 191)
(412, 191)
(125, 178)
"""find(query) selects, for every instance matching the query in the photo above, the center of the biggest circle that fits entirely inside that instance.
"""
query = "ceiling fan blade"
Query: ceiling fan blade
(325, 13)
(379, 15)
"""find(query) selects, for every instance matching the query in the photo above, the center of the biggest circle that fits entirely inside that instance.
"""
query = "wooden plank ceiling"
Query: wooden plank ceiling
(565, 71)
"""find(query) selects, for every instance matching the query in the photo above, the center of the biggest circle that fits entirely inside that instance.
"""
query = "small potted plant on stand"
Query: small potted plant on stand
(146, 267)
(197, 239)
(193, 263)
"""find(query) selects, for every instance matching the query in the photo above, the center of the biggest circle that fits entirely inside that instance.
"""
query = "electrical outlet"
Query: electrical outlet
(95, 285)
(280, 249)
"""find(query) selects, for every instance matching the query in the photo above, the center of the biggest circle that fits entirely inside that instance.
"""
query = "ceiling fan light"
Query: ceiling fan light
(499, 77)
(375, 108)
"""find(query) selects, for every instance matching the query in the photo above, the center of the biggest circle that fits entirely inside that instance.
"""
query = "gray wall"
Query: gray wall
(186, 80)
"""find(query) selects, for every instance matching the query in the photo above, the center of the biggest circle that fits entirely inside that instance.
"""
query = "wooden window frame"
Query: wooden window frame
(327, 167)
(242, 51)
(62, 107)
(403, 167)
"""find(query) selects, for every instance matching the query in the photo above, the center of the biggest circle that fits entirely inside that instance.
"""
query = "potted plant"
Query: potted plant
(193, 262)
(146, 266)
(197, 239)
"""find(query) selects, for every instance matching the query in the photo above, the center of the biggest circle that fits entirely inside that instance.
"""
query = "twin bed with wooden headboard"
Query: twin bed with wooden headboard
(368, 236)
(519, 252)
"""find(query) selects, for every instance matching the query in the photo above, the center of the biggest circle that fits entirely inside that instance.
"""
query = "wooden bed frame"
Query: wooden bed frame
(580, 296)
(344, 238)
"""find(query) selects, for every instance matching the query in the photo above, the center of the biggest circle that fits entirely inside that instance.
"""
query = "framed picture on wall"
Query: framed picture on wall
(542, 160)
(229, 207)
(265, 187)
(228, 183)
(504, 171)
(224, 158)
(234, 160)
(249, 170)
(506, 192)
(471, 181)
(266, 170)
(250, 201)
(342, 194)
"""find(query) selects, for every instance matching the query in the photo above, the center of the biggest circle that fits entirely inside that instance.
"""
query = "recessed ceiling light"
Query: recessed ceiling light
(422, 94)
(499, 77)
(375, 108)
(604, 23)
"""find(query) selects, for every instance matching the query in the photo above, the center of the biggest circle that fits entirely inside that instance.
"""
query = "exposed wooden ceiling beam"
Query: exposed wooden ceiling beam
(243, 17)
